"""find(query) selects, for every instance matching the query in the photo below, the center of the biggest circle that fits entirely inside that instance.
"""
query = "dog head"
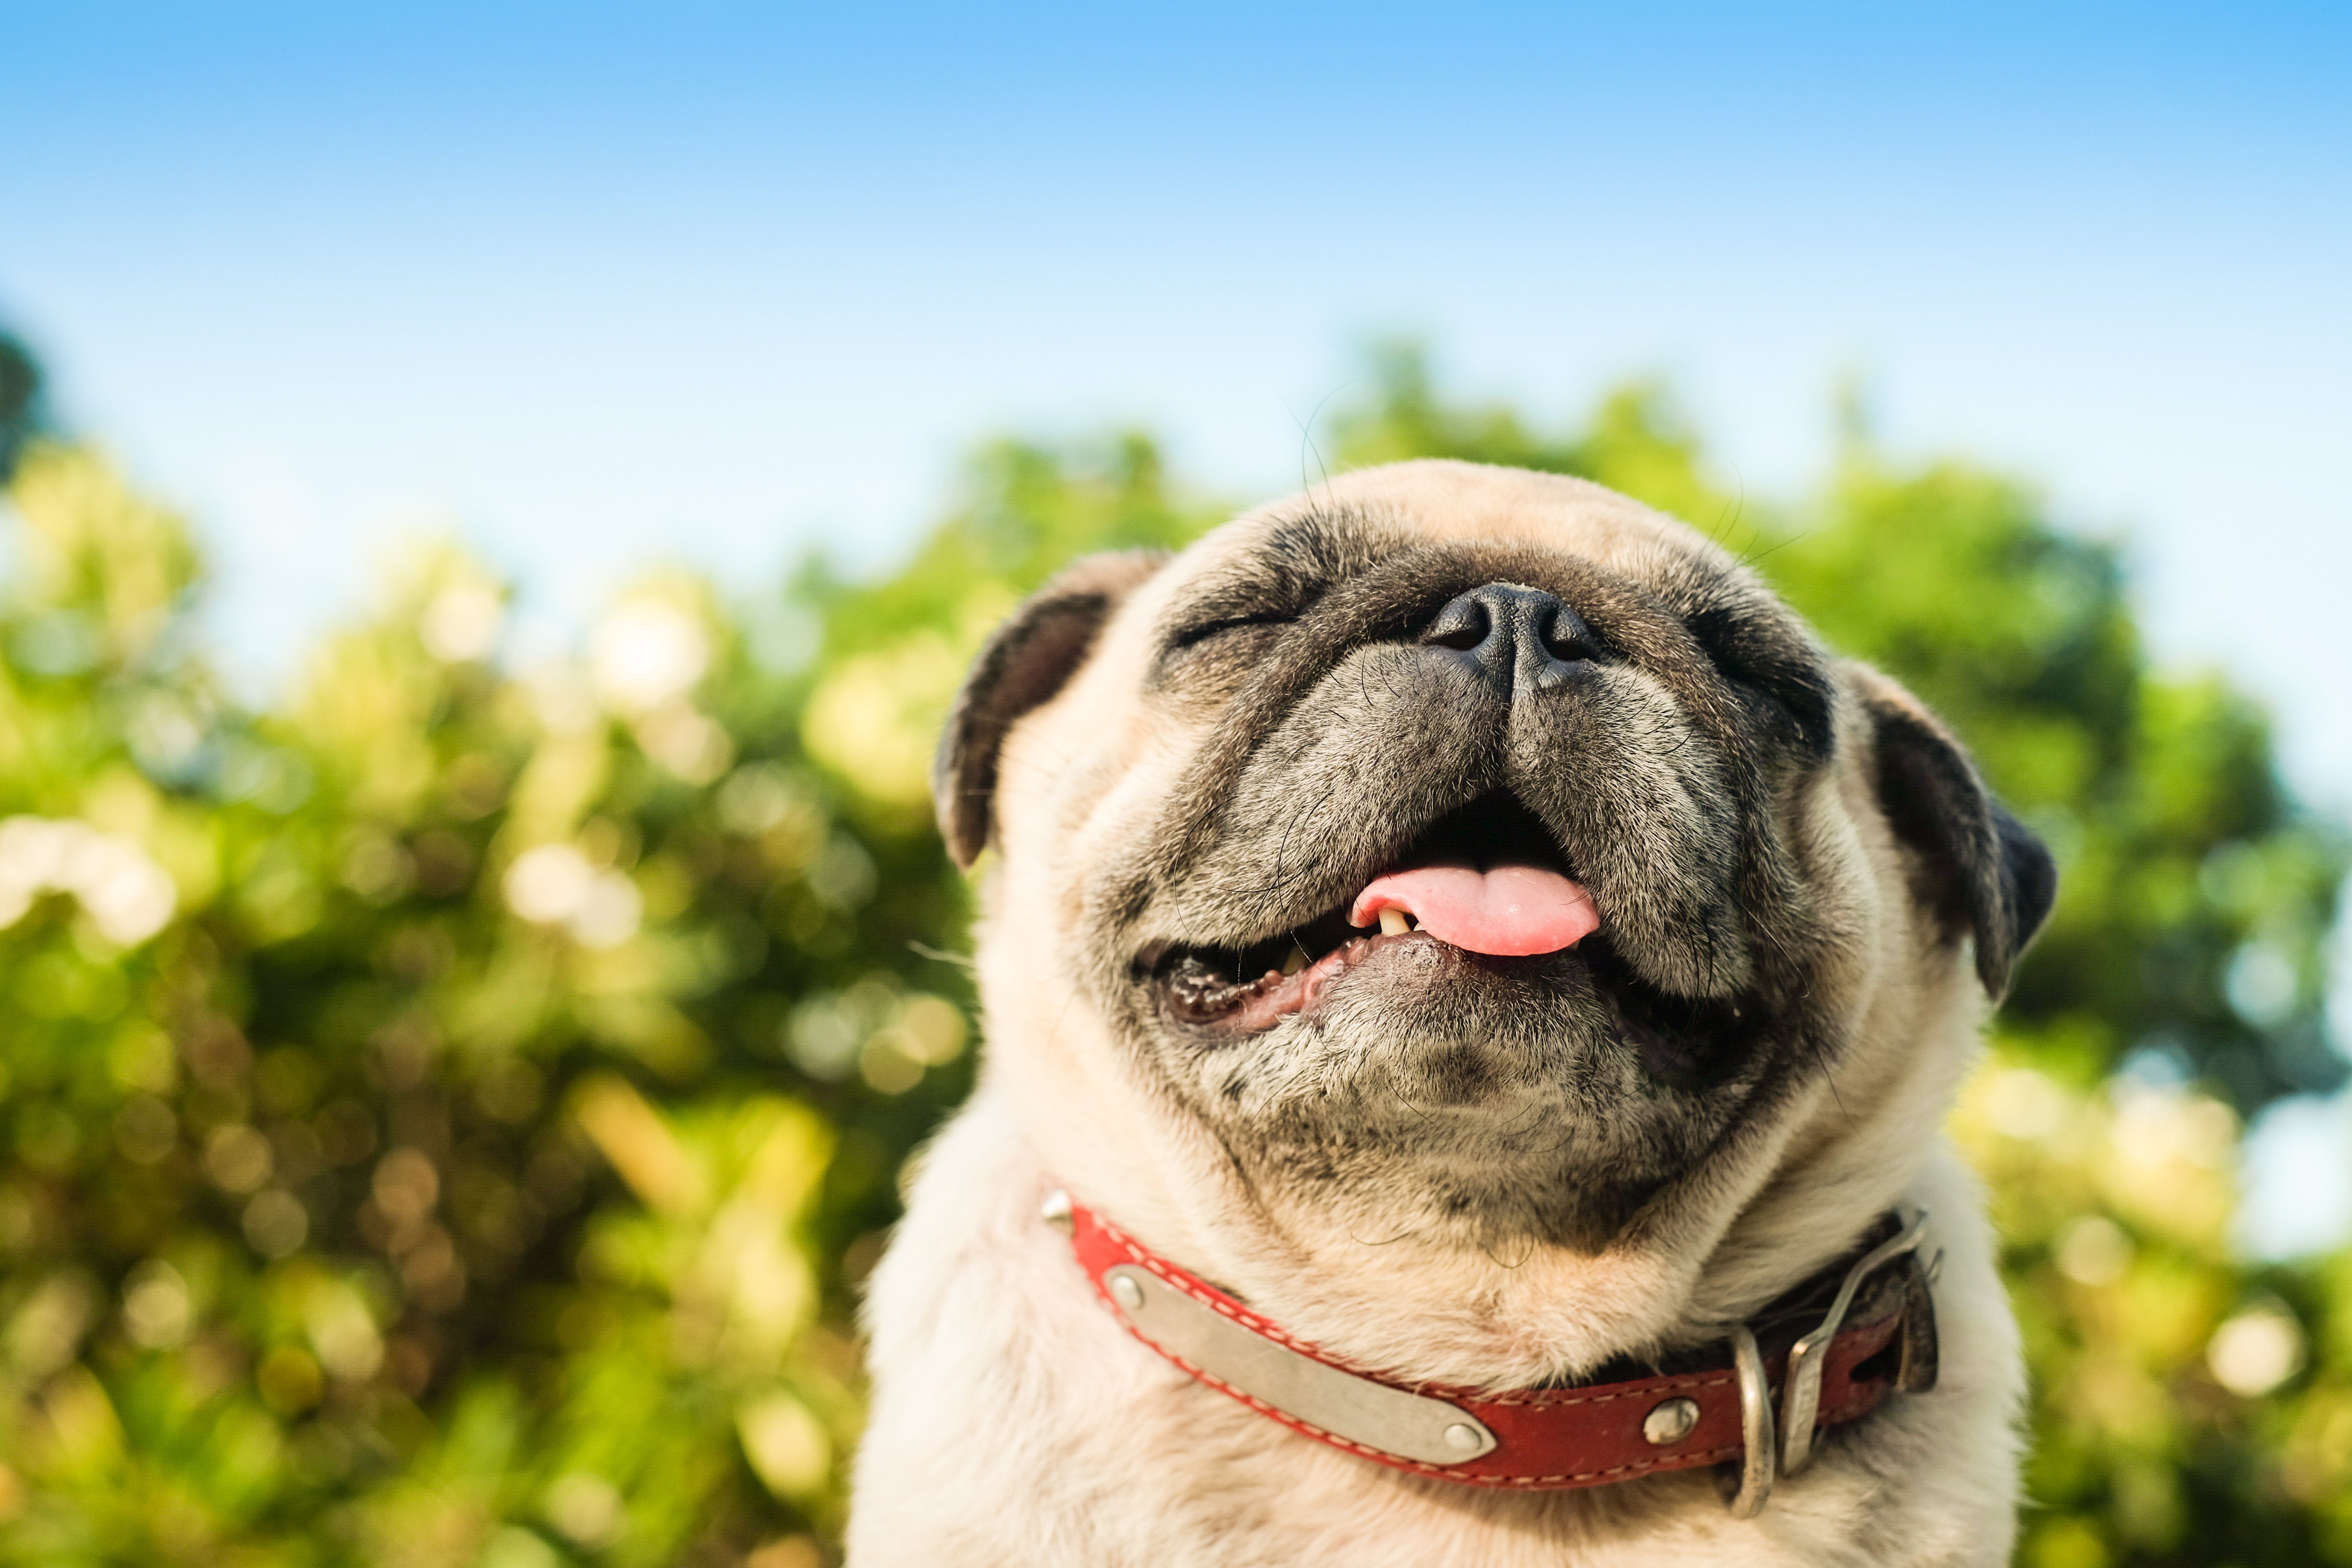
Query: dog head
(1671, 890)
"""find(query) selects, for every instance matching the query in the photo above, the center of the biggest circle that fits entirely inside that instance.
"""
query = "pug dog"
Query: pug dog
(1470, 992)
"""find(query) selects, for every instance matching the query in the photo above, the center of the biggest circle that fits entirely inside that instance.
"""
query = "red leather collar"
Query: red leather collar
(1548, 1438)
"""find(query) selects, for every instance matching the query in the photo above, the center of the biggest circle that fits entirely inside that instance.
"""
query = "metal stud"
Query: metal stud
(1056, 1211)
(1463, 1439)
(1127, 1292)
(1670, 1421)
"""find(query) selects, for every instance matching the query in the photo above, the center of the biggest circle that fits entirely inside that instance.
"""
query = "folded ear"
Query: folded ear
(1981, 870)
(1028, 658)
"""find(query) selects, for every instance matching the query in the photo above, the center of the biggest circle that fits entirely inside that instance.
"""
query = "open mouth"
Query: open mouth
(1486, 879)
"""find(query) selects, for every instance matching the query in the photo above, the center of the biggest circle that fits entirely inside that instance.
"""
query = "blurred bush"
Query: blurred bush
(445, 1114)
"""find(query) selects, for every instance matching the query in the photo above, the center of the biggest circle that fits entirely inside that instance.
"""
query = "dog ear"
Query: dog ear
(1025, 662)
(1984, 870)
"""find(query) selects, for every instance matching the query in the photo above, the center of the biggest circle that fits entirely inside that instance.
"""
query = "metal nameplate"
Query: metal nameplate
(1409, 1426)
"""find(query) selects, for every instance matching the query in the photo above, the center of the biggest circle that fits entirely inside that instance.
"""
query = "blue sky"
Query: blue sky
(603, 286)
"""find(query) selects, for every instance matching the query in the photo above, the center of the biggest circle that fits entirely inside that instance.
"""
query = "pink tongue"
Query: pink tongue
(1509, 911)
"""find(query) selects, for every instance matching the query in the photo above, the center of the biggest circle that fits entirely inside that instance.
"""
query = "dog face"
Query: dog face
(1665, 863)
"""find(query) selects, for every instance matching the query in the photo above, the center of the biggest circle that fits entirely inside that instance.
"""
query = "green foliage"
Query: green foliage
(406, 1160)
(445, 1113)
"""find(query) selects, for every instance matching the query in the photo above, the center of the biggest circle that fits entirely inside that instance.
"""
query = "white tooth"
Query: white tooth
(1295, 962)
(1393, 922)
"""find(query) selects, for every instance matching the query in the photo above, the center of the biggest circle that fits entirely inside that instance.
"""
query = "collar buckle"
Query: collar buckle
(1801, 1386)
(1767, 1459)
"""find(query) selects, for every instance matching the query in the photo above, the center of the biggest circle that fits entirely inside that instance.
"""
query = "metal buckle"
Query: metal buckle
(1765, 1460)
(1800, 1387)
(1755, 1425)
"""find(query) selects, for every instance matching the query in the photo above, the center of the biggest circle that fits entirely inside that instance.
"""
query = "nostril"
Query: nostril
(1462, 626)
(1566, 636)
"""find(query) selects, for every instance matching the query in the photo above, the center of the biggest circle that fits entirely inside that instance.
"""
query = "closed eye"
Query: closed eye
(1190, 637)
(1785, 673)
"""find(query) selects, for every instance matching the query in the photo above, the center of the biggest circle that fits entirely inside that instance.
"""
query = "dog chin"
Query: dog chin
(1444, 1093)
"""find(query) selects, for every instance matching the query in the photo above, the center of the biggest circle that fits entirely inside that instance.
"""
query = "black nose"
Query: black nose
(1517, 638)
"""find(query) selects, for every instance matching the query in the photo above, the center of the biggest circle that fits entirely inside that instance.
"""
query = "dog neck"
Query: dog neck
(1448, 1310)
(1540, 1320)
